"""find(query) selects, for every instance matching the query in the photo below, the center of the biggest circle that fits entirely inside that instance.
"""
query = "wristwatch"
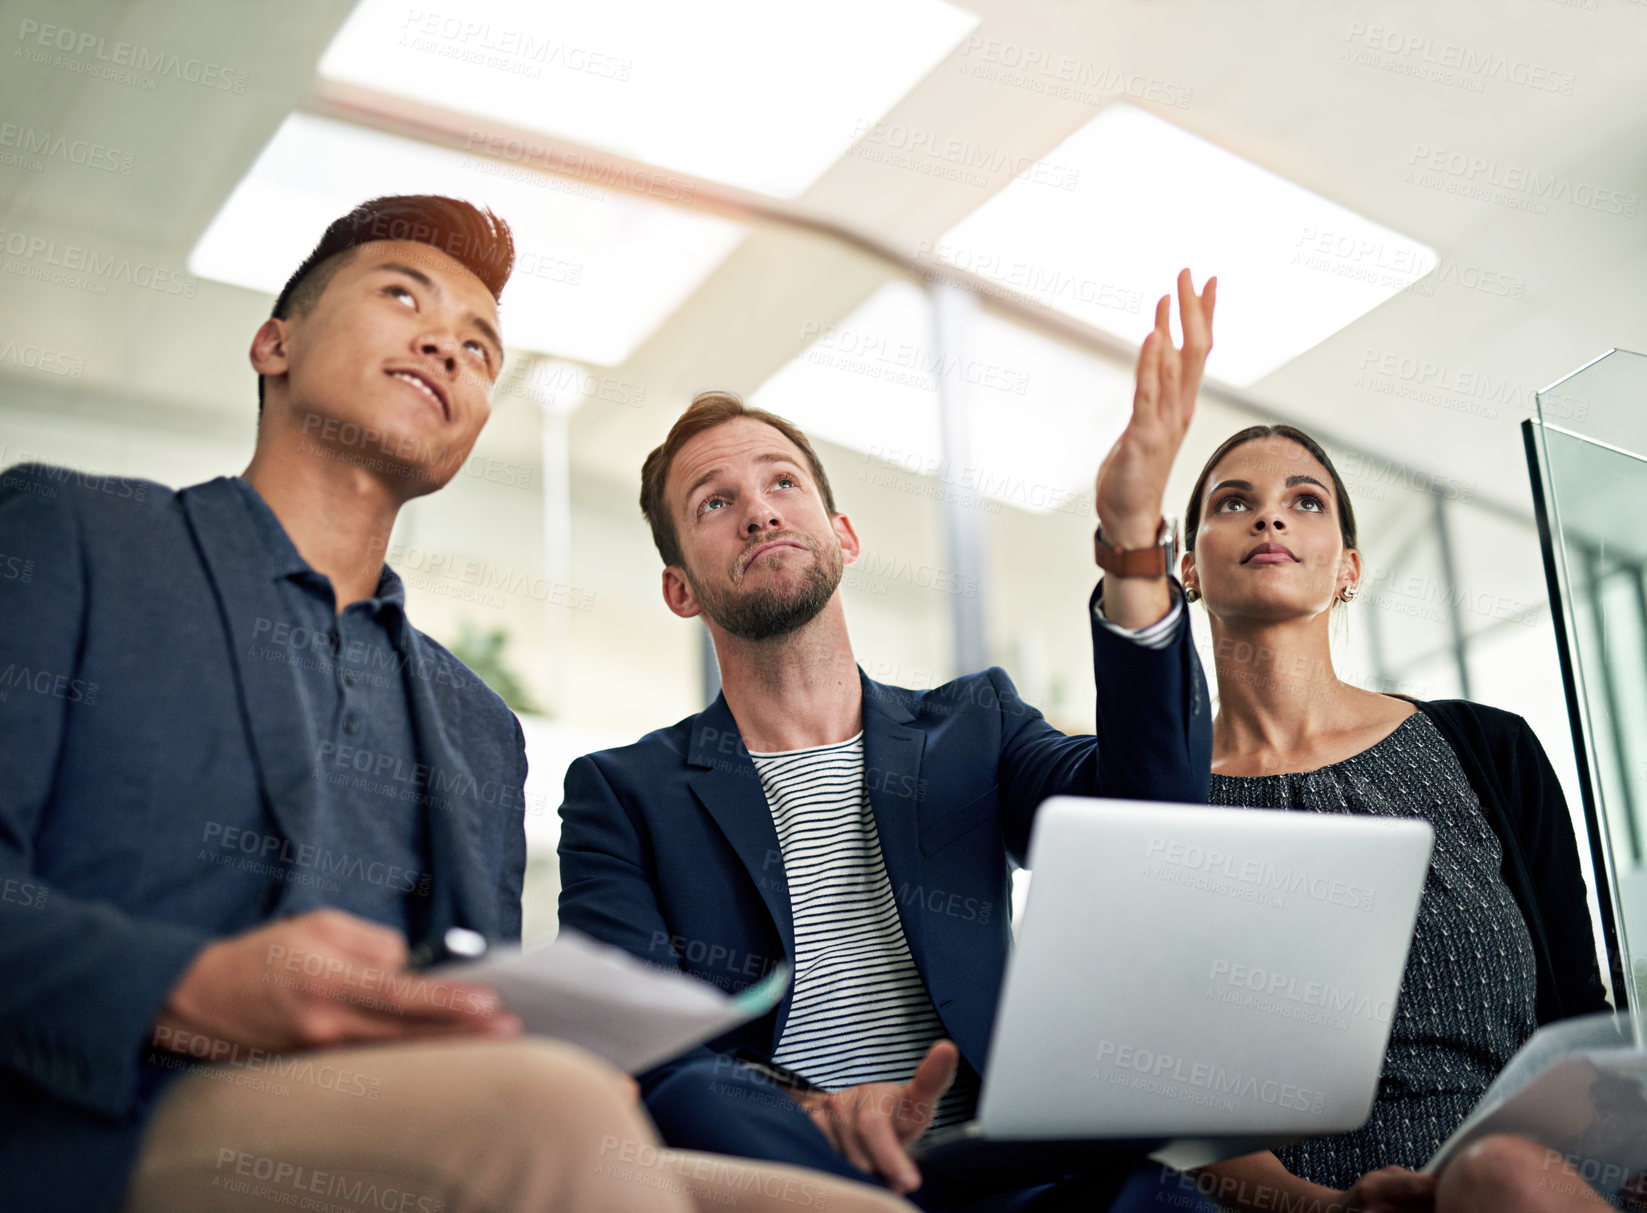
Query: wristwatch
(783, 1076)
(1157, 560)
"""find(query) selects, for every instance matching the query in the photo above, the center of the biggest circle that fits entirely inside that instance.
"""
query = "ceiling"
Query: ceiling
(1532, 284)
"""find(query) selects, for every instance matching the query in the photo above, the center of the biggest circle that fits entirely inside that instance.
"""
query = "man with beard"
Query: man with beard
(862, 832)
(205, 914)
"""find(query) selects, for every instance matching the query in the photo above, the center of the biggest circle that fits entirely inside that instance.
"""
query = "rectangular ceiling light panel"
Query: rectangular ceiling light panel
(1293, 268)
(596, 272)
(1036, 414)
(764, 97)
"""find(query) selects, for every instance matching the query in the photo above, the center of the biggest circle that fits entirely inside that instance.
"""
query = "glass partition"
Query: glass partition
(1589, 475)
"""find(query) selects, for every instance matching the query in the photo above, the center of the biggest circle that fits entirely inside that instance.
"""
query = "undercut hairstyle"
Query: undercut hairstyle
(707, 410)
(474, 237)
(1346, 512)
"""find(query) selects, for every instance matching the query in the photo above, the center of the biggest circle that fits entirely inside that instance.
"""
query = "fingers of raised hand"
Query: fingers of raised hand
(1190, 314)
(1171, 378)
(1147, 394)
(1195, 315)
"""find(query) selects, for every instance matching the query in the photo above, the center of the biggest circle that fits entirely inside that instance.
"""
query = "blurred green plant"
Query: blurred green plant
(482, 651)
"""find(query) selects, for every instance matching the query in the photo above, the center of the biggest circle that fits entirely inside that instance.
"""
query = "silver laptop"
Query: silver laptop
(1225, 975)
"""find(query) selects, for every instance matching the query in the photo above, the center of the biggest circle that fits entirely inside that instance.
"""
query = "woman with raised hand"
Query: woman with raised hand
(1502, 942)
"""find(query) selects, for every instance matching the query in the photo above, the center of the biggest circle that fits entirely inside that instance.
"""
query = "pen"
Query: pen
(455, 943)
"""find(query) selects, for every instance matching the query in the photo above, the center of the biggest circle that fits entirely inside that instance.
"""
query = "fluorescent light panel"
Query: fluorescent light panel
(1038, 415)
(596, 272)
(763, 96)
(1293, 268)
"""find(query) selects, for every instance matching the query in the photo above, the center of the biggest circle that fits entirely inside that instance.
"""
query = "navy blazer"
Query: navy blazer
(140, 718)
(668, 848)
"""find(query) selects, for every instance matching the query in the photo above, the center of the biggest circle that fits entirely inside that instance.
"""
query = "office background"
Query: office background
(929, 233)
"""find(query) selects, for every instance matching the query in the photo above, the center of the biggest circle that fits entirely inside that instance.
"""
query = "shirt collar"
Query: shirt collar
(284, 562)
(280, 555)
(390, 599)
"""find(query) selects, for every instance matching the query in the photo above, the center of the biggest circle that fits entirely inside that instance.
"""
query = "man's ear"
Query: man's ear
(268, 353)
(851, 549)
(678, 595)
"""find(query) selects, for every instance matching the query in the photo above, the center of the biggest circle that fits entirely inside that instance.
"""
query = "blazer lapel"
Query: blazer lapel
(730, 791)
(463, 893)
(892, 769)
(280, 737)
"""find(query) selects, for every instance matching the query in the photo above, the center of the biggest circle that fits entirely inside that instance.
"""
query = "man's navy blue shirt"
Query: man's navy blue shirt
(368, 853)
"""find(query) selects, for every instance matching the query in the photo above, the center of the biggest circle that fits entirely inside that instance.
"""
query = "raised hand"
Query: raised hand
(1132, 480)
(871, 1124)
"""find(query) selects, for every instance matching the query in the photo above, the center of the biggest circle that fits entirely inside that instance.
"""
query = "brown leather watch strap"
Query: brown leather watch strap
(1153, 561)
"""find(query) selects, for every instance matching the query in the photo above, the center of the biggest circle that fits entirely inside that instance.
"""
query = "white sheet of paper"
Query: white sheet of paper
(601, 998)
(1545, 1092)
(1188, 1153)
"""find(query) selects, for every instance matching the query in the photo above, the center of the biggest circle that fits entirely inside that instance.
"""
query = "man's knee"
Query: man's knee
(530, 1070)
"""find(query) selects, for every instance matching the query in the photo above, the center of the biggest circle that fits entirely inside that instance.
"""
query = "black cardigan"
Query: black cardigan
(1523, 802)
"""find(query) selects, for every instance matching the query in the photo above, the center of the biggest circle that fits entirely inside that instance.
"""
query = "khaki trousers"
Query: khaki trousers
(516, 1126)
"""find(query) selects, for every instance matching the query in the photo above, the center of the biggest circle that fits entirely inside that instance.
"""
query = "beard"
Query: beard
(770, 611)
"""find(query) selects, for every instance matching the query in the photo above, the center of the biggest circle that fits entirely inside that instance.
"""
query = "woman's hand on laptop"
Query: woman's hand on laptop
(871, 1124)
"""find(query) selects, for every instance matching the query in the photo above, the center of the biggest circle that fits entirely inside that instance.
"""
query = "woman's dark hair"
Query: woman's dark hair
(1346, 512)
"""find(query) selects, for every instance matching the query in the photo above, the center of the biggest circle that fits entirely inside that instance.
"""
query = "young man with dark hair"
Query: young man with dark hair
(235, 782)
(792, 819)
